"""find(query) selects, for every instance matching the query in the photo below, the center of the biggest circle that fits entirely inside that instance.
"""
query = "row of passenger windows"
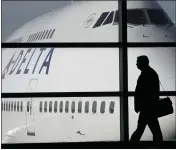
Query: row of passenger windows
(12, 106)
(43, 107)
(136, 17)
(19, 40)
(53, 106)
(46, 34)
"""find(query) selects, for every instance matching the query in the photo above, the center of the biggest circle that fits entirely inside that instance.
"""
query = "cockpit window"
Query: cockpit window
(134, 16)
(101, 19)
(109, 18)
(157, 16)
(116, 20)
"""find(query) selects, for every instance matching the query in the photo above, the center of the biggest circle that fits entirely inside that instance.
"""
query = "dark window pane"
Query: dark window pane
(73, 107)
(40, 108)
(6, 106)
(9, 105)
(66, 106)
(61, 106)
(27, 106)
(32, 37)
(15, 106)
(49, 34)
(79, 107)
(45, 34)
(35, 37)
(158, 16)
(94, 107)
(101, 19)
(52, 34)
(38, 34)
(12, 106)
(109, 19)
(102, 108)
(45, 106)
(111, 107)
(2, 106)
(55, 106)
(21, 106)
(50, 106)
(86, 107)
(18, 106)
(136, 17)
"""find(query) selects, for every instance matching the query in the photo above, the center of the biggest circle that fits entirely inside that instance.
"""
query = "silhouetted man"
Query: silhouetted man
(146, 98)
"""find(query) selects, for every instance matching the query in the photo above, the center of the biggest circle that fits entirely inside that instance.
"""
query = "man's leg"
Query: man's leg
(155, 129)
(136, 136)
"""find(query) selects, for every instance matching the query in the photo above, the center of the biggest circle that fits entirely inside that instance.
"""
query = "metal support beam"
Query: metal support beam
(123, 65)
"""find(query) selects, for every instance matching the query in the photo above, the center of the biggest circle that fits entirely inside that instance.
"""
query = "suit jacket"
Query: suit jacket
(147, 91)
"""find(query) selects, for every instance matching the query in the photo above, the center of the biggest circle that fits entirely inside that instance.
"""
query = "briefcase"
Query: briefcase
(164, 107)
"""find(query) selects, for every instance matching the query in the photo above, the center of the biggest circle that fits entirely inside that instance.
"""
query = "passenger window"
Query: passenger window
(66, 106)
(102, 108)
(61, 106)
(29, 38)
(109, 18)
(21, 106)
(73, 107)
(45, 107)
(32, 37)
(42, 35)
(50, 106)
(38, 34)
(28, 106)
(40, 107)
(12, 106)
(52, 34)
(86, 107)
(49, 34)
(79, 107)
(111, 107)
(15, 106)
(101, 19)
(18, 106)
(2, 106)
(6, 106)
(55, 106)
(45, 34)
(9, 105)
(94, 107)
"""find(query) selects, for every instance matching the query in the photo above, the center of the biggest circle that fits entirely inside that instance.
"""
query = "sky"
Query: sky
(16, 13)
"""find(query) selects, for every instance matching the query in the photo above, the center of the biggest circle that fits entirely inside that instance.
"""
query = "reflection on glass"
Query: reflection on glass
(167, 123)
(162, 60)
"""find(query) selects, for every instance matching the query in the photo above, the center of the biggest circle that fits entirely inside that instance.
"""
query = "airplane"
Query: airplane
(82, 119)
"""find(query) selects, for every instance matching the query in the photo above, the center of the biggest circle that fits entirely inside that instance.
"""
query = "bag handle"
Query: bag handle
(162, 87)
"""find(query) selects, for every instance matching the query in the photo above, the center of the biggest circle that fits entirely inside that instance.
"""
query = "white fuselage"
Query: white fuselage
(78, 70)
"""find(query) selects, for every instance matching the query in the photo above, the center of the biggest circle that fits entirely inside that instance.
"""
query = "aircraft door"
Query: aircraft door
(30, 118)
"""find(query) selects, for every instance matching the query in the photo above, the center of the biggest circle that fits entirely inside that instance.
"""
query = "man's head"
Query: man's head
(142, 62)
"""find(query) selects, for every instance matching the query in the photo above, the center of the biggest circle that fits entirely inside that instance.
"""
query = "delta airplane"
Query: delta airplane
(31, 120)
